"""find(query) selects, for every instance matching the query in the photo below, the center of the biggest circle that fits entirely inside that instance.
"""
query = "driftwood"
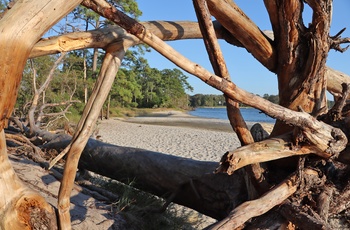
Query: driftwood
(297, 55)
(256, 181)
(193, 184)
(188, 182)
(257, 207)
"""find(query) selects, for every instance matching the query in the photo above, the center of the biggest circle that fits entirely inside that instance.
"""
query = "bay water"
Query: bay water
(249, 114)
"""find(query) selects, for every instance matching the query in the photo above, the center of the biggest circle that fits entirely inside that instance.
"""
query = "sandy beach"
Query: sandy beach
(174, 133)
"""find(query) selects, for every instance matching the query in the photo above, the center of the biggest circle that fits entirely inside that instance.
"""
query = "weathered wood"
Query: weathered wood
(20, 203)
(85, 127)
(167, 31)
(257, 207)
(244, 30)
(263, 151)
(323, 202)
(325, 137)
(300, 69)
(301, 218)
(21, 27)
(234, 115)
(195, 182)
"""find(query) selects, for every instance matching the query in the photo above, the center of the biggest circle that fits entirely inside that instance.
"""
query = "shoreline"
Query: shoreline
(183, 119)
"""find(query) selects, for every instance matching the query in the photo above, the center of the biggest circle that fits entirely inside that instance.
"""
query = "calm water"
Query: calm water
(249, 114)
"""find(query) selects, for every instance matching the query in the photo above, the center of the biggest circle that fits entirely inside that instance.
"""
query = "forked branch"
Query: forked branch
(336, 41)
(325, 137)
(234, 115)
(263, 151)
(266, 202)
(84, 129)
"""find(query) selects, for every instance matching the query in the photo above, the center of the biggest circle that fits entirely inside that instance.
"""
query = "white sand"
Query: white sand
(191, 142)
(177, 134)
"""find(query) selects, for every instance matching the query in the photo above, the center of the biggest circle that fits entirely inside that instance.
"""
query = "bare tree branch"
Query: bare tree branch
(336, 41)
(38, 92)
(257, 207)
(85, 126)
(244, 30)
(325, 137)
(234, 115)
(263, 151)
(104, 37)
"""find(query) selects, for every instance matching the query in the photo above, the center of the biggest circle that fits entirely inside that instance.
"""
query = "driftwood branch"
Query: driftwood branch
(300, 218)
(85, 126)
(336, 41)
(113, 35)
(325, 137)
(180, 180)
(244, 30)
(263, 151)
(335, 113)
(234, 115)
(257, 207)
(343, 201)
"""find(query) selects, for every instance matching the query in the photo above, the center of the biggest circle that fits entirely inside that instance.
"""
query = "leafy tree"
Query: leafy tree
(271, 98)
(210, 100)
(126, 90)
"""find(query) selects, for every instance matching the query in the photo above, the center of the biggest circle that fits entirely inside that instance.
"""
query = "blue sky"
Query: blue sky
(245, 71)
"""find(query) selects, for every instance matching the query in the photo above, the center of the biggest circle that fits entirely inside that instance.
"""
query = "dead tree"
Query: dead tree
(21, 28)
(297, 54)
(301, 72)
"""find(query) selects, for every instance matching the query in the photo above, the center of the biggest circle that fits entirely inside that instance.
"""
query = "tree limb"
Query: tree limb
(325, 137)
(257, 207)
(85, 126)
(38, 92)
(263, 151)
(103, 37)
(234, 115)
(300, 218)
(244, 30)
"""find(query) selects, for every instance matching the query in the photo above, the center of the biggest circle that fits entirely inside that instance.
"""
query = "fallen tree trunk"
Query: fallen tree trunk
(188, 182)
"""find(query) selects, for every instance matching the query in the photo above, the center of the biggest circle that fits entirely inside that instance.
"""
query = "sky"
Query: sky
(245, 71)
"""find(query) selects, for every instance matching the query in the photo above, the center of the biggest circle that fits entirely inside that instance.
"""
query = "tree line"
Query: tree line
(212, 100)
(137, 84)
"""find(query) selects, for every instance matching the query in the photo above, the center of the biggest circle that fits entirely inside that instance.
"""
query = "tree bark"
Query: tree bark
(300, 68)
(21, 28)
(189, 182)
(21, 207)
(102, 38)
(85, 127)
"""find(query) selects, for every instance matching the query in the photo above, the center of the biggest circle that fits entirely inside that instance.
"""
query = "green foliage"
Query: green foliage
(126, 90)
(128, 6)
(164, 88)
(3, 5)
(207, 100)
(139, 85)
(203, 100)
(271, 98)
